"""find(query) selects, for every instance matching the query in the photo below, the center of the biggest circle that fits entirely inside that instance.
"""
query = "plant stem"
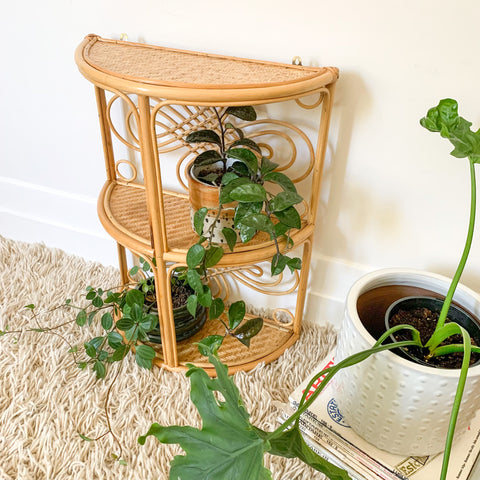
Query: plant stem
(466, 250)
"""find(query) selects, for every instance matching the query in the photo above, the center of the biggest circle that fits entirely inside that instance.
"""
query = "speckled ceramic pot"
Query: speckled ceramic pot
(203, 195)
(391, 402)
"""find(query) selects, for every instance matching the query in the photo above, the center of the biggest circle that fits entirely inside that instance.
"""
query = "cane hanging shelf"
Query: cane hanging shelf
(167, 93)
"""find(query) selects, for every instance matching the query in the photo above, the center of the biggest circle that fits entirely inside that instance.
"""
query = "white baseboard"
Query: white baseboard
(33, 213)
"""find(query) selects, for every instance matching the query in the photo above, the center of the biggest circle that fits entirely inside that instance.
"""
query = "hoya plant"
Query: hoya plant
(245, 176)
(226, 426)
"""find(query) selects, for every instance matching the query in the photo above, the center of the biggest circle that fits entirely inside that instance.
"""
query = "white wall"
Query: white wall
(392, 194)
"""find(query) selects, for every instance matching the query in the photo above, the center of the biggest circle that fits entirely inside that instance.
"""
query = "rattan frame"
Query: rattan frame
(146, 218)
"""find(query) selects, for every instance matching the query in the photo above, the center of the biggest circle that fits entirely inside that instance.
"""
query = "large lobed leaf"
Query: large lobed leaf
(227, 446)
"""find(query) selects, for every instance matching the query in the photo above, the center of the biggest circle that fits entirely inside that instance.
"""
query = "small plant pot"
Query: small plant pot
(455, 314)
(205, 195)
(394, 403)
(186, 325)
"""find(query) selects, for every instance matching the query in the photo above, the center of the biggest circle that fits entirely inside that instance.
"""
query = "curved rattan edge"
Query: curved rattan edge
(204, 94)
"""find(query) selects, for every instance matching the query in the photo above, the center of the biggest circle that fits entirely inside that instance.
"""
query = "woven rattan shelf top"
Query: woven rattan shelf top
(123, 212)
(194, 77)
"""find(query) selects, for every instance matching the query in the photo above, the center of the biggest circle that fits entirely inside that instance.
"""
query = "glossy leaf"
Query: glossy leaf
(99, 369)
(246, 142)
(125, 324)
(213, 255)
(230, 237)
(249, 192)
(81, 318)
(199, 219)
(241, 455)
(285, 200)
(245, 332)
(282, 180)
(216, 308)
(279, 262)
(210, 345)
(227, 189)
(207, 158)
(236, 313)
(228, 177)
(240, 169)
(115, 340)
(195, 281)
(267, 166)
(201, 136)
(294, 264)
(192, 302)
(107, 321)
(205, 297)
(246, 156)
(258, 221)
(289, 217)
(246, 208)
(195, 255)
(246, 113)
(246, 233)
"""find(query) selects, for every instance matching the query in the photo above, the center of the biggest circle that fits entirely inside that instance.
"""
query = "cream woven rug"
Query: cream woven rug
(45, 401)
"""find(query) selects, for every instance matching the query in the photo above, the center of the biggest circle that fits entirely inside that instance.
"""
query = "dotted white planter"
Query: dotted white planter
(395, 404)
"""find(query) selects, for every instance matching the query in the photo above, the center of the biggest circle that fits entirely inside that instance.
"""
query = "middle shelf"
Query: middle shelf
(122, 209)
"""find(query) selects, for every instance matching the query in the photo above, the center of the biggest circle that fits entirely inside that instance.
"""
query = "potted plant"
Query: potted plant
(226, 426)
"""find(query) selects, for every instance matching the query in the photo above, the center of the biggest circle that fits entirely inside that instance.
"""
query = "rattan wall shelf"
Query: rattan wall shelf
(163, 94)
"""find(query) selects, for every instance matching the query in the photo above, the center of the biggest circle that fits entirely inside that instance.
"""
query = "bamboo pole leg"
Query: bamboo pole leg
(122, 264)
(302, 285)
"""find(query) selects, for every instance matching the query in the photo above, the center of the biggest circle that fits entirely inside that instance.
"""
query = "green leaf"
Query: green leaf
(81, 318)
(240, 169)
(91, 295)
(107, 321)
(99, 369)
(246, 113)
(199, 219)
(192, 302)
(284, 200)
(195, 255)
(119, 354)
(213, 255)
(125, 324)
(250, 192)
(236, 313)
(246, 233)
(91, 316)
(205, 297)
(85, 438)
(233, 127)
(290, 444)
(134, 297)
(258, 221)
(144, 356)
(230, 237)
(246, 142)
(246, 156)
(90, 350)
(282, 180)
(279, 262)
(227, 189)
(210, 345)
(216, 308)
(195, 281)
(31, 306)
(445, 120)
(134, 270)
(207, 158)
(225, 428)
(294, 264)
(244, 333)
(267, 166)
(289, 217)
(201, 136)
(246, 208)
(114, 339)
(228, 177)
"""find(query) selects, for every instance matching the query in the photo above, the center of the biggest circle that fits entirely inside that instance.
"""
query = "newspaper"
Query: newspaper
(325, 429)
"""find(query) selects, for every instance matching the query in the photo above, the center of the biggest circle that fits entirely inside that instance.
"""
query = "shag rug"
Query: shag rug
(46, 401)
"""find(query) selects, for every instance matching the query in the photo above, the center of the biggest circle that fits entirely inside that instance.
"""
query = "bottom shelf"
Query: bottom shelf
(267, 346)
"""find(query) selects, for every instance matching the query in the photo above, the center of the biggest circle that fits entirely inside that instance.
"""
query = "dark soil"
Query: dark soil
(424, 320)
(180, 293)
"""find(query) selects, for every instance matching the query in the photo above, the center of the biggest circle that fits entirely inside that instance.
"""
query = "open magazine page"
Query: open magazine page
(325, 425)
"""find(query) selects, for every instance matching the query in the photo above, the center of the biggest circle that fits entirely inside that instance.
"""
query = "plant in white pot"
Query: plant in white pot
(226, 426)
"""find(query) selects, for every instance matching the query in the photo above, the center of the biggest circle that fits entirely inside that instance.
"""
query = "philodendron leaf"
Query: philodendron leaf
(213, 255)
(444, 119)
(195, 255)
(290, 444)
(243, 112)
(227, 446)
(210, 345)
(216, 308)
(230, 237)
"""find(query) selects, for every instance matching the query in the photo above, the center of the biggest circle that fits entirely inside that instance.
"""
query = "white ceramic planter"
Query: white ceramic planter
(395, 404)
